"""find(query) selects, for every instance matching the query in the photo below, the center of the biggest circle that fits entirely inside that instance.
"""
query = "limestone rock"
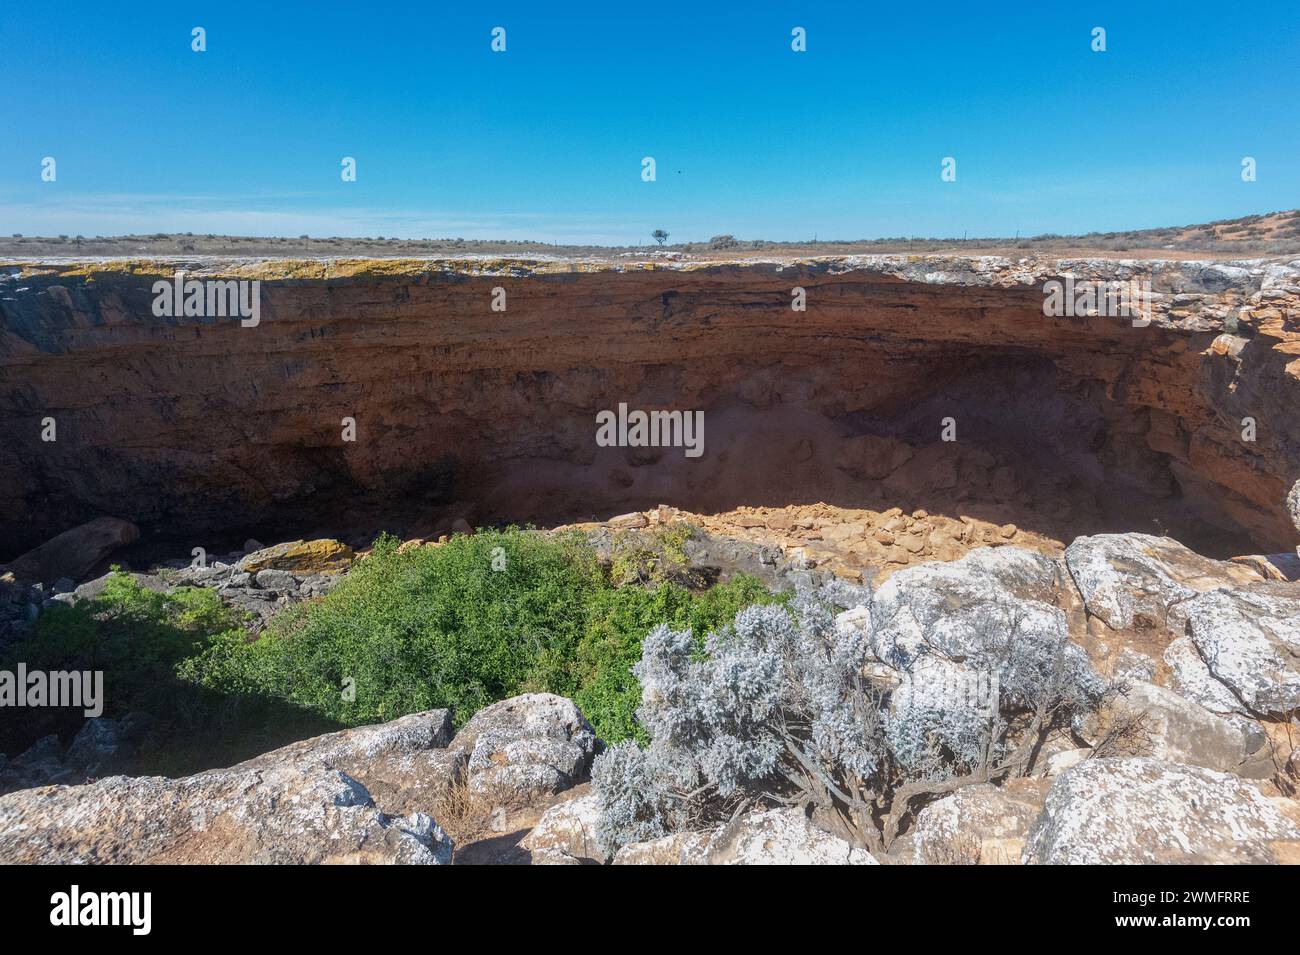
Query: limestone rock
(285, 814)
(631, 520)
(965, 612)
(568, 827)
(1178, 730)
(321, 556)
(680, 848)
(280, 580)
(75, 552)
(1250, 642)
(980, 824)
(1058, 763)
(404, 764)
(1132, 666)
(526, 748)
(1192, 679)
(1141, 810)
(1137, 581)
(782, 837)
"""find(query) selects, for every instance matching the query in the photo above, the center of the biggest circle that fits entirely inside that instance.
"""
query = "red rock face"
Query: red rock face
(192, 426)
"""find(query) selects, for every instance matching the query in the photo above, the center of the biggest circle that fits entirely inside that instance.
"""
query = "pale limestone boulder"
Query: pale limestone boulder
(680, 848)
(781, 837)
(1177, 730)
(1249, 640)
(981, 824)
(964, 610)
(285, 815)
(526, 749)
(1192, 679)
(1058, 763)
(1144, 811)
(568, 827)
(404, 764)
(1140, 582)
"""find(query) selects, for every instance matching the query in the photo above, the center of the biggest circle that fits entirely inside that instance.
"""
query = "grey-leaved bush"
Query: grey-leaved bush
(785, 706)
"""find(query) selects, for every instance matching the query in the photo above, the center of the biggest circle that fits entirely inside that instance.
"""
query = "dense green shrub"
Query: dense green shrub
(138, 638)
(462, 625)
(475, 620)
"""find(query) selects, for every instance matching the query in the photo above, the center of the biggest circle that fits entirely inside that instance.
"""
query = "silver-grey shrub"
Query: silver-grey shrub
(783, 706)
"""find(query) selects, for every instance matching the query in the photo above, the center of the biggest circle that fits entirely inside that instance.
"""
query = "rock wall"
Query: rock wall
(194, 425)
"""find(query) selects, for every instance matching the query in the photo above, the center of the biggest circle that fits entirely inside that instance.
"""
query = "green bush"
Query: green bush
(138, 638)
(476, 620)
(462, 625)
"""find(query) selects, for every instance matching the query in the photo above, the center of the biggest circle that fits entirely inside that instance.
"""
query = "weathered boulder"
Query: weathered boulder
(941, 632)
(278, 580)
(680, 848)
(964, 608)
(404, 764)
(781, 837)
(1131, 666)
(1177, 730)
(1141, 810)
(322, 556)
(1137, 581)
(526, 748)
(41, 764)
(104, 747)
(1059, 762)
(982, 824)
(1249, 640)
(285, 814)
(1192, 679)
(568, 827)
(75, 552)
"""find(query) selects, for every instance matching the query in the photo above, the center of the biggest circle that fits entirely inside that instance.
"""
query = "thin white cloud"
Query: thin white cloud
(123, 214)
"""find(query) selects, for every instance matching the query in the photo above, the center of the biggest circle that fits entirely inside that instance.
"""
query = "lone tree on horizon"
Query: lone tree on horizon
(659, 235)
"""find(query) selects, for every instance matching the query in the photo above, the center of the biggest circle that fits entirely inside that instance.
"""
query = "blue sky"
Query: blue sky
(545, 141)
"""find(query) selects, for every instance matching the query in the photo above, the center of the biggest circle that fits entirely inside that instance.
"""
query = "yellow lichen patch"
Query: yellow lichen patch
(323, 556)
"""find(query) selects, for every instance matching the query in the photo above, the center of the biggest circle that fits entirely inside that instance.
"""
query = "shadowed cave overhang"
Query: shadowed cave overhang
(193, 425)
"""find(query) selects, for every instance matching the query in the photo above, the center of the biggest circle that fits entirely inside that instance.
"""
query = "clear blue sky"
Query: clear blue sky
(545, 141)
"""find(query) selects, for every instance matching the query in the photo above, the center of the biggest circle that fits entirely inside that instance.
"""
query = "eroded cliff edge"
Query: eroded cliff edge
(193, 426)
